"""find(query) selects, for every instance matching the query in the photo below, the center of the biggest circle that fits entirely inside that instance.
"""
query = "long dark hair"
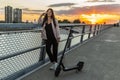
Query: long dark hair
(52, 17)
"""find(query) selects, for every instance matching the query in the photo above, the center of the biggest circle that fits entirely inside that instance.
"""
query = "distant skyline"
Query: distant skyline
(97, 11)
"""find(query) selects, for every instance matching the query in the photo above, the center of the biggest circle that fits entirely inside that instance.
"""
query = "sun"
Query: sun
(92, 18)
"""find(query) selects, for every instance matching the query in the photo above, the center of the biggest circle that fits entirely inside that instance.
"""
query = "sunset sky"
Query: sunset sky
(89, 11)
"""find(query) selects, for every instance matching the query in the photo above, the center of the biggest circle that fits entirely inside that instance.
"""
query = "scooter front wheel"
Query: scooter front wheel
(80, 65)
(57, 71)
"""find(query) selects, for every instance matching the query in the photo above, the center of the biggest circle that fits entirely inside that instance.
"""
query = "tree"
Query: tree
(2, 21)
(65, 21)
(83, 22)
(76, 21)
(59, 21)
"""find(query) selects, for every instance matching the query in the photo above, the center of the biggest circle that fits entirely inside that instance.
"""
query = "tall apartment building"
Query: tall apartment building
(17, 15)
(13, 15)
(8, 14)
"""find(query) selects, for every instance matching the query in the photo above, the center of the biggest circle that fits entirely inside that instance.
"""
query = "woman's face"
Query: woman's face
(49, 13)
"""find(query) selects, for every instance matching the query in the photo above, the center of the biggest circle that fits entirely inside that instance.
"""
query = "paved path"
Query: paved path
(101, 56)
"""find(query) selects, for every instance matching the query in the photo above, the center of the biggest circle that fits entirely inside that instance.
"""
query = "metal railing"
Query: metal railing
(23, 51)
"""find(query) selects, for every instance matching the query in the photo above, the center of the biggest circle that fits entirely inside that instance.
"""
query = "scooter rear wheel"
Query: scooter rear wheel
(80, 65)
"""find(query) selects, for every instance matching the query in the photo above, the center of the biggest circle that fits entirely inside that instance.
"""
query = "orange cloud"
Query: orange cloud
(98, 9)
(90, 14)
(88, 18)
(100, 18)
(93, 14)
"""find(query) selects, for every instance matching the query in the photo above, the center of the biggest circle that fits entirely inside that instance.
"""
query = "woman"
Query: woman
(51, 35)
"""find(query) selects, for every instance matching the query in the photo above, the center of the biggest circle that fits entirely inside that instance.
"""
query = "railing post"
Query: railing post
(97, 29)
(94, 33)
(90, 29)
(83, 31)
(100, 28)
(43, 51)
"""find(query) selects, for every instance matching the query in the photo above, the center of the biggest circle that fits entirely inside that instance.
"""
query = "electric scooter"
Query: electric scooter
(61, 66)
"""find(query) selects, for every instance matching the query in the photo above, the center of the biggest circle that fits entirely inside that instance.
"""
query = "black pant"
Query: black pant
(52, 49)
